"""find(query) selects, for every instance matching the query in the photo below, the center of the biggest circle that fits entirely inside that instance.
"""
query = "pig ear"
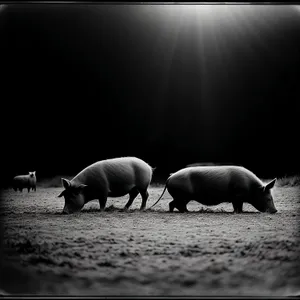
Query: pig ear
(61, 194)
(66, 183)
(270, 185)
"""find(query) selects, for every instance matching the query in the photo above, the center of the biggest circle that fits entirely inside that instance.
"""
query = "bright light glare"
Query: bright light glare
(209, 41)
(189, 12)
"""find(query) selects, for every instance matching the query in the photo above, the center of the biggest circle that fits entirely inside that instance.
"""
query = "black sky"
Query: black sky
(83, 83)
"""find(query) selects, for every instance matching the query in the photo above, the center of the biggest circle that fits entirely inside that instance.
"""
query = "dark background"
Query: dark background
(83, 83)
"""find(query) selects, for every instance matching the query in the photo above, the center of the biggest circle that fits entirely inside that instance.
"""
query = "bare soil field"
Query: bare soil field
(205, 252)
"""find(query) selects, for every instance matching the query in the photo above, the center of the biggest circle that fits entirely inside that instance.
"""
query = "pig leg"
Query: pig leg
(172, 205)
(179, 204)
(102, 202)
(132, 195)
(145, 196)
(237, 199)
(28, 189)
(237, 206)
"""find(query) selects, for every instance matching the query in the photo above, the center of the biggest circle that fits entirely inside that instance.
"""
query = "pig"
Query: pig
(21, 182)
(212, 185)
(113, 177)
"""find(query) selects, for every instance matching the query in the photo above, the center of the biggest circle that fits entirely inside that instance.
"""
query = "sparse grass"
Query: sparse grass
(288, 181)
(157, 185)
(110, 208)
(209, 210)
(52, 182)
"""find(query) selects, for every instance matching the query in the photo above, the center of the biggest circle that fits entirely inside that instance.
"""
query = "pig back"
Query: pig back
(213, 181)
(118, 173)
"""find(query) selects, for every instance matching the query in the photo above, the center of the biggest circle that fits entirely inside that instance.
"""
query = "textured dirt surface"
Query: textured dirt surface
(206, 252)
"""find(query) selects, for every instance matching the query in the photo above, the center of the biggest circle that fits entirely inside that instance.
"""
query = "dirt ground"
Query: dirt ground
(206, 252)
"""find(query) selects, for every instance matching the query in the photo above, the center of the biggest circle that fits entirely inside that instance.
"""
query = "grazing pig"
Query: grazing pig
(21, 182)
(114, 177)
(212, 185)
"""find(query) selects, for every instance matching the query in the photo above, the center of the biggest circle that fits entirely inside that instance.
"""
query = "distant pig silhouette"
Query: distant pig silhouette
(212, 185)
(114, 177)
(21, 182)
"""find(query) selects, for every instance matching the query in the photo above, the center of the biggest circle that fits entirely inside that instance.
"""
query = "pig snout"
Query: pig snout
(272, 210)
